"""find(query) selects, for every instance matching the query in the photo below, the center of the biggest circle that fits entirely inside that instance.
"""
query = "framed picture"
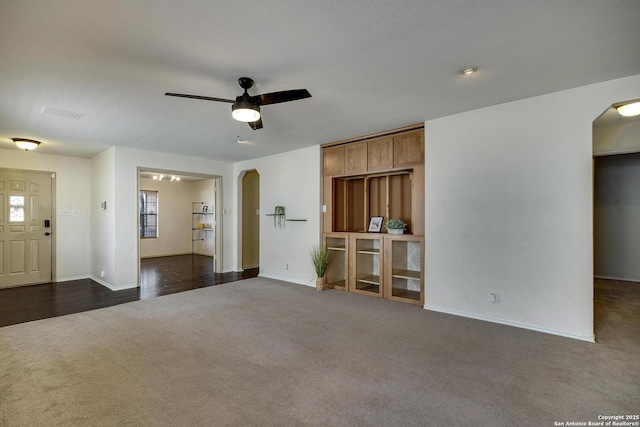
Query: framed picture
(375, 224)
(205, 208)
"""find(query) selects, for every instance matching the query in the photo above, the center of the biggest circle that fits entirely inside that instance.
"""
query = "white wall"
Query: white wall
(73, 238)
(509, 209)
(174, 218)
(616, 138)
(617, 217)
(291, 180)
(103, 221)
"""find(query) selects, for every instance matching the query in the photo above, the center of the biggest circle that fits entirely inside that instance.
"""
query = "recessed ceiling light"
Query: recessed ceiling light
(242, 141)
(468, 70)
(630, 109)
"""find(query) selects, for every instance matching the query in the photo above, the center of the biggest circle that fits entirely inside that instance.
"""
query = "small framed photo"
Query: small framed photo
(375, 224)
(205, 208)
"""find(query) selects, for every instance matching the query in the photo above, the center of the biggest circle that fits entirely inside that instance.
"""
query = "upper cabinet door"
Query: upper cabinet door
(408, 149)
(355, 157)
(333, 160)
(380, 153)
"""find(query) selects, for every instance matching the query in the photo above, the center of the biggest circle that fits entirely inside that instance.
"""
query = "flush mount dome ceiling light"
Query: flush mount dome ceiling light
(26, 144)
(629, 108)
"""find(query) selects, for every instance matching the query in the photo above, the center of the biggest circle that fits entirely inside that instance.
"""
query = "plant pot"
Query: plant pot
(320, 284)
(395, 231)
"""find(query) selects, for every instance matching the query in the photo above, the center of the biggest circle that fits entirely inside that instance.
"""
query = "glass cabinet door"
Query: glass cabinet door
(336, 275)
(367, 265)
(405, 273)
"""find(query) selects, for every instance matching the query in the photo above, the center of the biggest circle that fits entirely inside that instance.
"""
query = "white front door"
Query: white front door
(25, 228)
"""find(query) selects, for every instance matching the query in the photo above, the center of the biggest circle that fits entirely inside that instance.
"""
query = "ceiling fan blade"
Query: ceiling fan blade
(256, 125)
(204, 98)
(283, 96)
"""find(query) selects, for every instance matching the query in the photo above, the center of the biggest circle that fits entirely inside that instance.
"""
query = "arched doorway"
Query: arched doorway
(250, 229)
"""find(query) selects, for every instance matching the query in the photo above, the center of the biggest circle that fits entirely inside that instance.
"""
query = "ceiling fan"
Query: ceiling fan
(246, 108)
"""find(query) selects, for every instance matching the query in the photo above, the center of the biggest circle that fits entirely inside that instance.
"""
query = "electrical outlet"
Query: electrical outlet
(286, 266)
(494, 299)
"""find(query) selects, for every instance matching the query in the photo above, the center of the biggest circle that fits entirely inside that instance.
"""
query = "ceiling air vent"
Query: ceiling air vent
(57, 112)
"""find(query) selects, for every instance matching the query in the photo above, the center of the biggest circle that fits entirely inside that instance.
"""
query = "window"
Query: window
(148, 214)
(16, 208)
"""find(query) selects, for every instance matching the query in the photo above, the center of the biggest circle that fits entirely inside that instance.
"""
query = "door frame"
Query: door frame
(218, 246)
(54, 217)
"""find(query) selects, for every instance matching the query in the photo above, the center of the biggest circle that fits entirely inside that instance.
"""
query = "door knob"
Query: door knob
(47, 234)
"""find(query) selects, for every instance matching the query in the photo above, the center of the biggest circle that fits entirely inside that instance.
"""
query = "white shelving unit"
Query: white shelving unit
(201, 222)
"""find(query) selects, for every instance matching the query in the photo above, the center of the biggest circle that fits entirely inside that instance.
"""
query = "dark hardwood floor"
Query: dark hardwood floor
(159, 276)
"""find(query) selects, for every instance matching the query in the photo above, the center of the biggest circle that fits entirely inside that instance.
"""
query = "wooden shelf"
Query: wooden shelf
(369, 251)
(406, 294)
(296, 220)
(338, 283)
(406, 274)
(372, 288)
(337, 248)
(374, 280)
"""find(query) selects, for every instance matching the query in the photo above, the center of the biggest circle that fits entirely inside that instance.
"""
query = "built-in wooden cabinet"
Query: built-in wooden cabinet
(333, 161)
(401, 150)
(377, 175)
(380, 265)
(404, 268)
(337, 271)
(408, 149)
(380, 154)
(366, 262)
(355, 157)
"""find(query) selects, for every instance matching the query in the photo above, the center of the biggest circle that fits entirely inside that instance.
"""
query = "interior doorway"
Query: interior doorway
(250, 230)
(616, 196)
(616, 215)
(178, 216)
(26, 227)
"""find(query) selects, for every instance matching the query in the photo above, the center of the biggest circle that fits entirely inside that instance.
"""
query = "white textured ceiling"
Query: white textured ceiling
(369, 65)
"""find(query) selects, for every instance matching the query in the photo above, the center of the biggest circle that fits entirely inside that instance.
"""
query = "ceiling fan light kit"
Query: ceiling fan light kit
(246, 108)
(244, 111)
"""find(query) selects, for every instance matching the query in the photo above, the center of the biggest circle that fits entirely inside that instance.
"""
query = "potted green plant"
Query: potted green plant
(395, 226)
(320, 258)
(278, 216)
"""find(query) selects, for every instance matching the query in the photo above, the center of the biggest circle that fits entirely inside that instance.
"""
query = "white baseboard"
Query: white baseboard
(166, 255)
(622, 279)
(290, 280)
(68, 279)
(509, 323)
(112, 287)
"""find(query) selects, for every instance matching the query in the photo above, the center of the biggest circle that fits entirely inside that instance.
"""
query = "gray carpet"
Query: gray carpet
(268, 353)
